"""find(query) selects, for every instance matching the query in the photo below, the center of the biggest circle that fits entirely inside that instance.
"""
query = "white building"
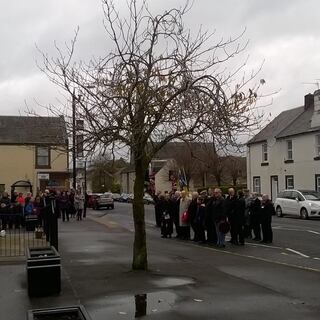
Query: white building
(286, 153)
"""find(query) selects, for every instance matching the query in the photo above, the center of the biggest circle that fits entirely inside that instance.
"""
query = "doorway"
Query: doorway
(274, 187)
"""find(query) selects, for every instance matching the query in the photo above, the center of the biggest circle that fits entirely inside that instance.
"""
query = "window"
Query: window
(2, 189)
(318, 182)
(287, 194)
(264, 152)
(43, 157)
(256, 185)
(289, 150)
(79, 145)
(317, 145)
(289, 182)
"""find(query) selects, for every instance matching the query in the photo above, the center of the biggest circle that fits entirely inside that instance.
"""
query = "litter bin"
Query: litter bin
(43, 271)
(31, 222)
(61, 313)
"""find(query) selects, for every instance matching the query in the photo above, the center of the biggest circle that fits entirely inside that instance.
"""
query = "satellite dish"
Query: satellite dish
(271, 141)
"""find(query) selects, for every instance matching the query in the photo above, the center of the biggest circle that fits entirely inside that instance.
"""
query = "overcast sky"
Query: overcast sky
(285, 34)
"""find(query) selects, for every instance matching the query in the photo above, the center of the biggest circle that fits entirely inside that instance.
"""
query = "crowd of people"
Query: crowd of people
(65, 204)
(211, 215)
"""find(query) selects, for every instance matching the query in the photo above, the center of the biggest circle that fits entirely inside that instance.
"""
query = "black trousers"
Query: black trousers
(184, 232)
(64, 214)
(211, 231)
(267, 234)
(199, 233)
(255, 223)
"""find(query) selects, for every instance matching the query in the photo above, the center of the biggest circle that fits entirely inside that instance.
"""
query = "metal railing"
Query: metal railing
(16, 235)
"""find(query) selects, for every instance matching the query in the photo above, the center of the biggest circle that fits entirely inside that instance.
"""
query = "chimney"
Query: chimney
(308, 101)
(315, 120)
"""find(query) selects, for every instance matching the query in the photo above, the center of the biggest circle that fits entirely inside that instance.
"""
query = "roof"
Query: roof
(33, 130)
(172, 149)
(289, 122)
(301, 124)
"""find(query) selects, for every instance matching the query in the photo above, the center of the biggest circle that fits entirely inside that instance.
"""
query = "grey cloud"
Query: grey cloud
(284, 33)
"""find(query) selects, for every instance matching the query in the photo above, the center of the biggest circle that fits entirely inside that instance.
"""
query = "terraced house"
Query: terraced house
(33, 153)
(286, 153)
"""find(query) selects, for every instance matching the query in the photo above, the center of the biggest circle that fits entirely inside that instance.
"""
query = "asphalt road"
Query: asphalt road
(296, 241)
(254, 281)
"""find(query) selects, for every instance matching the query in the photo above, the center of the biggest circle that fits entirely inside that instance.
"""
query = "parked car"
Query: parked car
(303, 203)
(124, 197)
(91, 198)
(130, 197)
(147, 198)
(103, 201)
(116, 196)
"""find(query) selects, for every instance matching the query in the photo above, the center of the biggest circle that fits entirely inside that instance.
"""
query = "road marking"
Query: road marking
(258, 258)
(314, 232)
(262, 245)
(316, 258)
(292, 229)
(298, 252)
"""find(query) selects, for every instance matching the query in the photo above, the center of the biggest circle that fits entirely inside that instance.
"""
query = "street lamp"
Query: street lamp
(74, 156)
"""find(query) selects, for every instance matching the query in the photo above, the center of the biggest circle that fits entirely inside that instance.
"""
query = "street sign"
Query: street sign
(43, 176)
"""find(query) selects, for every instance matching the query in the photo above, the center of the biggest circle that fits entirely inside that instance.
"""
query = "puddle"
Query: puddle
(172, 282)
(131, 307)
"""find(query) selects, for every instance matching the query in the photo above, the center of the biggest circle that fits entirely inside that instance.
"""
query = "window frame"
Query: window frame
(43, 166)
(254, 186)
(317, 182)
(317, 145)
(265, 155)
(287, 177)
(289, 150)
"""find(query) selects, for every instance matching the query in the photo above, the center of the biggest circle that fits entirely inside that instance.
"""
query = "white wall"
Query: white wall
(304, 168)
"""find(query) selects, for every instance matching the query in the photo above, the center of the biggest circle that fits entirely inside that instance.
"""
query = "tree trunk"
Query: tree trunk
(140, 260)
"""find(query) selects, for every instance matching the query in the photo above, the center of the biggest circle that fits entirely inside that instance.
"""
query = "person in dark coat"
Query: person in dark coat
(5, 203)
(267, 211)
(239, 218)
(209, 221)
(255, 211)
(219, 216)
(192, 211)
(174, 210)
(198, 221)
(230, 209)
(166, 216)
(63, 201)
(157, 208)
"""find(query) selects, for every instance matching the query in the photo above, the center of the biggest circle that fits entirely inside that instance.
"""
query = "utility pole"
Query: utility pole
(74, 164)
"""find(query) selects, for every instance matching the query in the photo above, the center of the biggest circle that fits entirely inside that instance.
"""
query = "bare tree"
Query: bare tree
(235, 167)
(158, 84)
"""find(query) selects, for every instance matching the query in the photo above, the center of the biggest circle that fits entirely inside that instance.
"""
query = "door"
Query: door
(274, 188)
(293, 204)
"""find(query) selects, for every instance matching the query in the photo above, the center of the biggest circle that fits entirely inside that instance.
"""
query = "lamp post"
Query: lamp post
(74, 157)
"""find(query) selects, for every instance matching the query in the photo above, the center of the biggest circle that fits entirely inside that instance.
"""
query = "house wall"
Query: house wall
(303, 169)
(127, 182)
(18, 163)
(162, 182)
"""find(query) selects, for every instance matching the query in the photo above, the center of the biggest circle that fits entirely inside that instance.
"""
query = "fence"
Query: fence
(15, 237)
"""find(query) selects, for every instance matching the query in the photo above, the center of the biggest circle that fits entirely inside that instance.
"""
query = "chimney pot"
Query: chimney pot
(308, 101)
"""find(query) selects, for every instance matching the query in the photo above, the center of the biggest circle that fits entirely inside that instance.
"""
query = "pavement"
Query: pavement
(185, 281)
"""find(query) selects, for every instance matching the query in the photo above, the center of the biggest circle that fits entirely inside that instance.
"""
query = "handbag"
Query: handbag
(185, 216)
(224, 226)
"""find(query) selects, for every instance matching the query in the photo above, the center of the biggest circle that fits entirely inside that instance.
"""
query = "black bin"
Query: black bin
(43, 271)
(61, 313)
(31, 222)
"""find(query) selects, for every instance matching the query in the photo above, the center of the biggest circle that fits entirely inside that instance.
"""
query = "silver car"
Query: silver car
(104, 200)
